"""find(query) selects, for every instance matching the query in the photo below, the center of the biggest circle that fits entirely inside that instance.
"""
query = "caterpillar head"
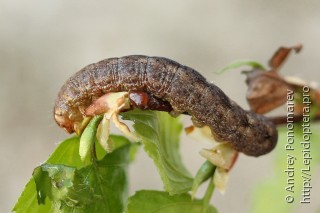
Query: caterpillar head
(63, 119)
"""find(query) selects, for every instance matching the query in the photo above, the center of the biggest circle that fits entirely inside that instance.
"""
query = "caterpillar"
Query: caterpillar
(177, 88)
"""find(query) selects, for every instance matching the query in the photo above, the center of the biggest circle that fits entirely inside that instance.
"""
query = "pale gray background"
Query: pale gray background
(43, 42)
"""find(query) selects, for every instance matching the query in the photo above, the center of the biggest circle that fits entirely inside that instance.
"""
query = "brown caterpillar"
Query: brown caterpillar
(181, 87)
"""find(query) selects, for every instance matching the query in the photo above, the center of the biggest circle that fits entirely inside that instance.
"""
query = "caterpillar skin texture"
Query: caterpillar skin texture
(184, 88)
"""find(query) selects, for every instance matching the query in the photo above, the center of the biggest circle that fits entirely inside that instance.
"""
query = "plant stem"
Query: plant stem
(95, 166)
(207, 196)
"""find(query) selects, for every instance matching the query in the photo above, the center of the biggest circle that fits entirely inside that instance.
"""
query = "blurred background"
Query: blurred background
(43, 42)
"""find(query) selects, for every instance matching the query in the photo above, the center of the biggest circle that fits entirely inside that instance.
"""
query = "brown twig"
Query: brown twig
(279, 120)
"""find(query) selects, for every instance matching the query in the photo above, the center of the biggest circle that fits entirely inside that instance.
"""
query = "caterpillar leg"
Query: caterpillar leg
(110, 104)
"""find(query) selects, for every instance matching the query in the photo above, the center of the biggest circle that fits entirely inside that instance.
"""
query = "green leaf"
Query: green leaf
(270, 195)
(161, 202)
(237, 64)
(88, 138)
(28, 203)
(100, 187)
(67, 153)
(118, 141)
(160, 135)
